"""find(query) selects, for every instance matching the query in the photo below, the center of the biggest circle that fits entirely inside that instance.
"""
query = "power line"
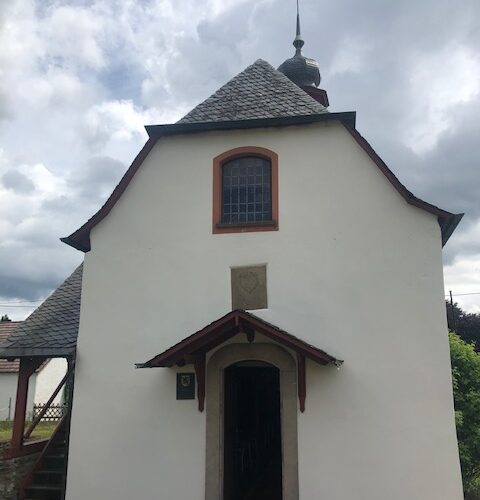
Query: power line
(462, 294)
(18, 305)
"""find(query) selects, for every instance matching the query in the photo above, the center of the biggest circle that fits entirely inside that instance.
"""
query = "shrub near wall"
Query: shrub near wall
(466, 388)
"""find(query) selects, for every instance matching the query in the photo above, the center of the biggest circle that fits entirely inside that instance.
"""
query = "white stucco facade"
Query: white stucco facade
(48, 379)
(353, 270)
(40, 387)
(8, 394)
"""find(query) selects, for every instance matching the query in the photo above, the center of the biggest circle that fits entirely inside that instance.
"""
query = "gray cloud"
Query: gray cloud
(98, 177)
(39, 270)
(5, 106)
(389, 61)
(18, 182)
(21, 287)
(450, 174)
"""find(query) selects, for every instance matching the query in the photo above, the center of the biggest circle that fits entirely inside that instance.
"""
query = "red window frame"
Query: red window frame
(243, 227)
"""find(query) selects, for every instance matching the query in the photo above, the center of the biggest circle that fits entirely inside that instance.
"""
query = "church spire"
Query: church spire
(301, 70)
(298, 43)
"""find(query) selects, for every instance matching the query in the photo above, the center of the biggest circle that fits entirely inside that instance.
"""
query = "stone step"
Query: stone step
(59, 443)
(44, 492)
(54, 462)
(54, 477)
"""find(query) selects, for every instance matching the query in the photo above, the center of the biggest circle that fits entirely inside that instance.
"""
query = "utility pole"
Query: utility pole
(453, 312)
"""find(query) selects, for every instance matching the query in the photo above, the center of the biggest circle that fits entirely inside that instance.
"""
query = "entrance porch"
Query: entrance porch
(251, 374)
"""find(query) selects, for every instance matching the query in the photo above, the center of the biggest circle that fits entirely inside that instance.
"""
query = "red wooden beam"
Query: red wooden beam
(301, 381)
(200, 371)
(249, 332)
(194, 342)
(30, 448)
(220, 330)
(47, 446)
(27, 368)
(39, 417)
(286, 339)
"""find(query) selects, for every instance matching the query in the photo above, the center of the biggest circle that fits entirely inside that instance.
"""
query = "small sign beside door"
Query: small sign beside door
(185, 386)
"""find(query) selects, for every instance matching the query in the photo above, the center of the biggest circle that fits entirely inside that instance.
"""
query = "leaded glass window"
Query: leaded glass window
(246, 190)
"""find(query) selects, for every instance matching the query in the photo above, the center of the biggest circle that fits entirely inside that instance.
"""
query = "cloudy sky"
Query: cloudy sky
(79, 79)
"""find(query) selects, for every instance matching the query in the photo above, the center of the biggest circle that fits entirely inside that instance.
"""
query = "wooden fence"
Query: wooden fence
(52, 414)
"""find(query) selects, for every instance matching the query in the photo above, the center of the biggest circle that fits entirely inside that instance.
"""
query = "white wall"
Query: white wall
(354, 270)
(8, 389)
(40, 388)
(48, 380)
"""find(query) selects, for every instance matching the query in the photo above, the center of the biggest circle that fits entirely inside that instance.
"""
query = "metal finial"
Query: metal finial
(300, 69)
(298, 42)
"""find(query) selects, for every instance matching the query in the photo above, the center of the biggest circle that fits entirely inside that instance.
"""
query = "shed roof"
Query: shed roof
(52, 329)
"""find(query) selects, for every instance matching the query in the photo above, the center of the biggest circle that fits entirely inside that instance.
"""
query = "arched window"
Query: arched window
(246, 190)
(245, 186)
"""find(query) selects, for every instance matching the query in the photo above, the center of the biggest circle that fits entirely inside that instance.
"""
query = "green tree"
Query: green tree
(467, 325)
(5, 318)
(466, 388)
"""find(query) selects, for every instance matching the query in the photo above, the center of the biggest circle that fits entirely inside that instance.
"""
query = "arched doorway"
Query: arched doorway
(223, 374)
(252, 432)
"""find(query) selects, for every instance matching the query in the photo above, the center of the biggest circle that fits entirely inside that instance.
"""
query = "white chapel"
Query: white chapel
(260, 314)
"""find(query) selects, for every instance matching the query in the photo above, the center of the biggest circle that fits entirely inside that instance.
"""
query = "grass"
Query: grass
(42, 431)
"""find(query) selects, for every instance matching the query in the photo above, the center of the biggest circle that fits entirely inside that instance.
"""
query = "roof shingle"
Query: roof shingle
(260, 91)
(52, 329)
(6, 328)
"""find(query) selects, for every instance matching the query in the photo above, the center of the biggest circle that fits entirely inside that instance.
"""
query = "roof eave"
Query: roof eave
(448, 221)
(448, 224)
(80, 239)
(36, 352)
(156, 131)
(227, 326)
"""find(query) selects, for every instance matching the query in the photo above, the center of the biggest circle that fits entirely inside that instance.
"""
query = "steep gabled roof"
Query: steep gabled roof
(258, 97)
(52, 329)
(260, 91)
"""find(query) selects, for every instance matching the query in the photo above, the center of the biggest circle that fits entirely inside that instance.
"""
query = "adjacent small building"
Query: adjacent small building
(9, 376)
(42, 383)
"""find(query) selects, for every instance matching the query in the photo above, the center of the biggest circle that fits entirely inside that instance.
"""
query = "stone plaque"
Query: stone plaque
(249, 287)
(185, 386)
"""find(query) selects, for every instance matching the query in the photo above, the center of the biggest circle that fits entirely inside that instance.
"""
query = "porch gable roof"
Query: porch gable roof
(234, 322)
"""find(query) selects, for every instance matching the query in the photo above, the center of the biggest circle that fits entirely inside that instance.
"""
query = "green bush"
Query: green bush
(466, 389)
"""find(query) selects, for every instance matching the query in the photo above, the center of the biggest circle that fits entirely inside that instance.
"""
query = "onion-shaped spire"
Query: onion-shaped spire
(300, 69)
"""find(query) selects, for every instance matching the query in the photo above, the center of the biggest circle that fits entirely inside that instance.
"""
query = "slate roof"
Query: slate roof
(52, 329)
(260, 91)
(6, 328)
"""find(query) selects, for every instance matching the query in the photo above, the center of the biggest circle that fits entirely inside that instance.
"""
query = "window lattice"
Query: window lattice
(246, 190)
